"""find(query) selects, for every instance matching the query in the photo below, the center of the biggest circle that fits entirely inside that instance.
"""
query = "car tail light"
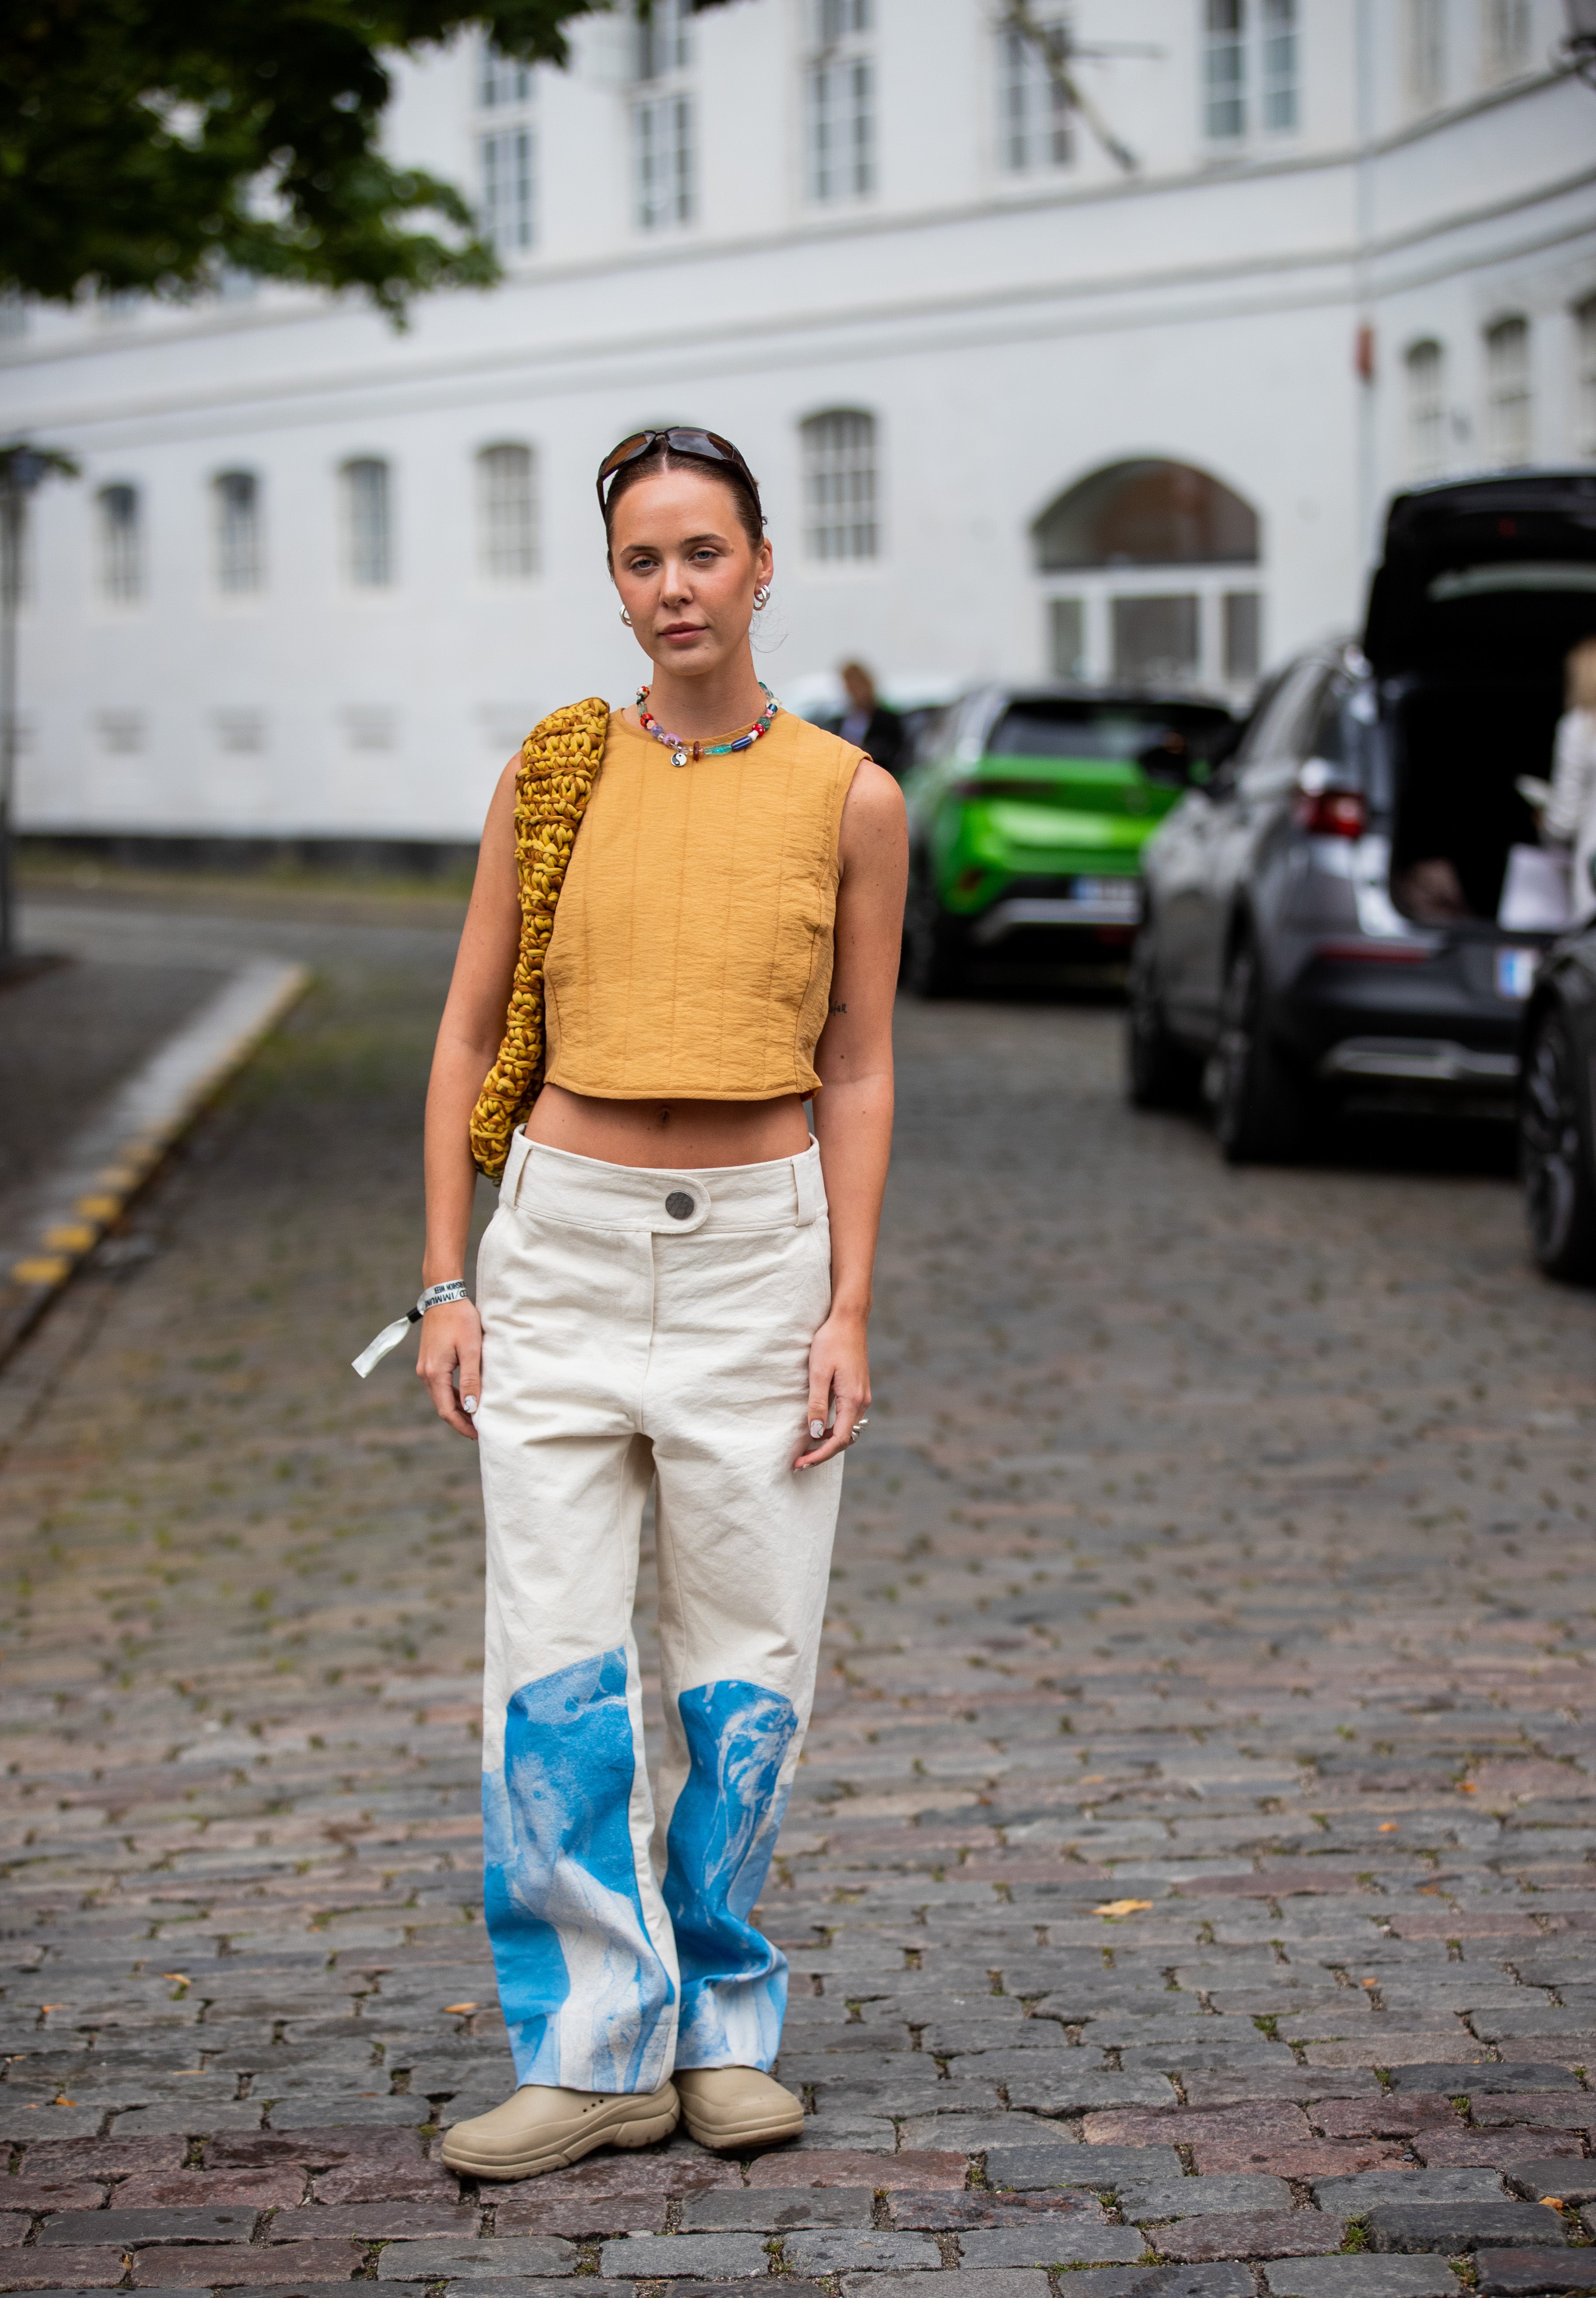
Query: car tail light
(1332, 813)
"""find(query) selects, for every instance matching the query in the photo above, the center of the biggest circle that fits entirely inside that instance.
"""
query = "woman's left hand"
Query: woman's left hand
(838, 1387)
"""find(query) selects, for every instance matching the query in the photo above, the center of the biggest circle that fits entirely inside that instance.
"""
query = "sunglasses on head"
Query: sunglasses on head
(707, 443)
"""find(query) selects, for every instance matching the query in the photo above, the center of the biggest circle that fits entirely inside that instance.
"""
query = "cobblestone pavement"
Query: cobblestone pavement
(1189, 1879)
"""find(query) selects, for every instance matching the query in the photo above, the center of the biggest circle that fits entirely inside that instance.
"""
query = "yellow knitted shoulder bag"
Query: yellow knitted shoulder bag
(559, 764)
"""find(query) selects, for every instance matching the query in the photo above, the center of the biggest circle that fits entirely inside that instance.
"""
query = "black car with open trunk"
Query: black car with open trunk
(1351, 905)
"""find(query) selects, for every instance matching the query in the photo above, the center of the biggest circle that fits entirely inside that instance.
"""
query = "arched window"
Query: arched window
(1116, 535)
(121, 543)
(507, 513)
(839, 484)
(1585, 377)
(1508, 421)
(1147, 514)
(1424, 368)
(235, 511)
(368, 523)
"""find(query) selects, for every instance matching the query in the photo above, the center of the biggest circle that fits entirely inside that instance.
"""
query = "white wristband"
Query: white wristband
(435, 1297)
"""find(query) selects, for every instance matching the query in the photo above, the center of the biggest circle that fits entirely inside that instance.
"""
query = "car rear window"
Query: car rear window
(1075, 729)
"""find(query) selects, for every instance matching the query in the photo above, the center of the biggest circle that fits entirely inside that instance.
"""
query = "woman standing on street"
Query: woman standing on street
(674, 1290)
(1570, 815)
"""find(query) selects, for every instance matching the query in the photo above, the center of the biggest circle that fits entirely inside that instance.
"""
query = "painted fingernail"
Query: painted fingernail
(818, 1429)
(468, 1403)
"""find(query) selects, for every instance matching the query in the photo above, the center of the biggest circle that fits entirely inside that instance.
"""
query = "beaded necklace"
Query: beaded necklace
(681, 751)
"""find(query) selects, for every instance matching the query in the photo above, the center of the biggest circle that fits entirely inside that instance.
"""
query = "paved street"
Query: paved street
(1190, 1874)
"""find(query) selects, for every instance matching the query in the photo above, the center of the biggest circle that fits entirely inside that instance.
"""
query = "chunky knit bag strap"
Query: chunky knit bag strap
(559, 764)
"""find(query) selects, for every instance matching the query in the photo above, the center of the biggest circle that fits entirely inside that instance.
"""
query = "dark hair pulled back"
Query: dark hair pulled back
(661, 456)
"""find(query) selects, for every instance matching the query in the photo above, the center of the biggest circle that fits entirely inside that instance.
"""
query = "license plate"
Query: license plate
(1515, 971)
(1116, 893)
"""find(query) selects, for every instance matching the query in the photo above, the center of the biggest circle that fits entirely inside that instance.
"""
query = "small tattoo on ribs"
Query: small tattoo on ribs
(836, 1009)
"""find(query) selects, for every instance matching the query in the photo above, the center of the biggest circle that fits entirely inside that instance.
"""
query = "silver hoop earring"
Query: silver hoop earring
(626, 618)
(761, 597)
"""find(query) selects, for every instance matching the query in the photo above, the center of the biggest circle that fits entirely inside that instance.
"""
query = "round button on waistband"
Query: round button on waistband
(680, 1205)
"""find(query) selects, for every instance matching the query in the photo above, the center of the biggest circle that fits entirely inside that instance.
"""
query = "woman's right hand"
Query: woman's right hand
(452, 1343)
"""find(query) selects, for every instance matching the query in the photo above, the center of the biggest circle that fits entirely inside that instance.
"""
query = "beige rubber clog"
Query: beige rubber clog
(541, 2129)
(736, 2106)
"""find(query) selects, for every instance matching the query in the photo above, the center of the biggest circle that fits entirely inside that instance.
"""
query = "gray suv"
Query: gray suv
(1324, 917)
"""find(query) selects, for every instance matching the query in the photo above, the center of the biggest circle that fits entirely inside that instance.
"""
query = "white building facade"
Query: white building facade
(1018, 410)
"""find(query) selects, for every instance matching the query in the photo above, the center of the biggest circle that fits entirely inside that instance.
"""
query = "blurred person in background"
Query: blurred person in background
(867, 723)
(674, 1293)
(1569, 815)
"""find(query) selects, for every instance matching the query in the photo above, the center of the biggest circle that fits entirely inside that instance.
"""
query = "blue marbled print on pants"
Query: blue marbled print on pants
(586, 1998)
(722, 1834)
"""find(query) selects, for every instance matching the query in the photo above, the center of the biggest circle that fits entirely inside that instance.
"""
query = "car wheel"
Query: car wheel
(935, 947)
(1261, 1109)
(1159, 1071)
(1560, 1189)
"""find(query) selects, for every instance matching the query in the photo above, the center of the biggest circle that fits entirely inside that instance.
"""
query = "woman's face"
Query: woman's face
(686, 570)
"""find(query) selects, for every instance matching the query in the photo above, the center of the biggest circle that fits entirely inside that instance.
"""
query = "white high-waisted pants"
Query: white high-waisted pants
(640, 1324)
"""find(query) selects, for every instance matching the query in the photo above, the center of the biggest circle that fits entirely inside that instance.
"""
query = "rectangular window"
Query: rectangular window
(507, 513)
(1278, 66)
(839, 484)
(665, 39)
(121, 551)
(1225, 71)
(502, 81)
(1585, 378)
(662, 160)
(1033, 118)
(1155, 640)
(842, 19)
(368, 525)
(1067, 637)
(507, 190)
(1423, 56)
(1507, 419)
(1244, 651)
(1426, 370)
(236, 501)
(842, 129)
(1505, 38)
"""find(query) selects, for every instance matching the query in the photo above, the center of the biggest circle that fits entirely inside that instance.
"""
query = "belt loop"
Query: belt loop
(806, 1174)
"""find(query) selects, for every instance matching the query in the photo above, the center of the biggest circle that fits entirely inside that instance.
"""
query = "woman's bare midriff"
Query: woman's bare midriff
(680, 1135)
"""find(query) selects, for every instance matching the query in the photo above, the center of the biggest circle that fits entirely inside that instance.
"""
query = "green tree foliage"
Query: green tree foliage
(145, 145)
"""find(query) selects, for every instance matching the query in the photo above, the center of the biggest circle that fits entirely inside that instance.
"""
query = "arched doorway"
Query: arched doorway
(1139, 562)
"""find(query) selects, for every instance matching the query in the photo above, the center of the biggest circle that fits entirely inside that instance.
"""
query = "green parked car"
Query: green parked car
(1029, 807)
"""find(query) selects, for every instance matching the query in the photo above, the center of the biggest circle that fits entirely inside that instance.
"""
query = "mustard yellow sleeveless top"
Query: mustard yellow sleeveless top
(692, 952)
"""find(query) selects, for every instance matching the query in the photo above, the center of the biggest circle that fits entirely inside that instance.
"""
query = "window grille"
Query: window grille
(842, 129)
(1067, 637)
(839, 485)
(1505, 42)
(1507, 392)
(1584, 381)
(122, 544)
(840, 20)
(506, 514)
(1424, 48)
(1225, 71)
(1278, 66)
(1033, 118)
(235, 503)
(369, 523)
(1243, 635)
(1425, 365)
(662, 158)
(507, 189)
(665, 39)
(502, 81)
(1250, 45)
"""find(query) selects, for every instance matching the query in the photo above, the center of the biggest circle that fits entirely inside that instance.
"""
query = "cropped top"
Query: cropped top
(690, 956)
